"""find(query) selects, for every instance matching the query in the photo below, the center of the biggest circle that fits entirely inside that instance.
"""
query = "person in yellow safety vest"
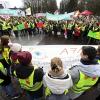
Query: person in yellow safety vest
(4, 28)
(57, 81)
(15, 29)
(4, 51)
(85, 72)
(98, 54)
(98, 83)
(14, 49)
(30, 79)
(5, 82)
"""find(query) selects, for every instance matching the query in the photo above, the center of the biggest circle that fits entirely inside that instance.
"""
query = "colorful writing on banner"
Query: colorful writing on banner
(41, 55)
(40, 15)
(5, 16)
(56, 17)
(11, 12)
(95, 35)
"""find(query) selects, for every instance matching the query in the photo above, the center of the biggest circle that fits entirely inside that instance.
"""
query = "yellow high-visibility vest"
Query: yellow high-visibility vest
(27, 83)
(3, 70)
(84, 83)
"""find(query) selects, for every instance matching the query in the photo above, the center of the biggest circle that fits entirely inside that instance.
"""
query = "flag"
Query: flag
(56, 12)
(95, 35)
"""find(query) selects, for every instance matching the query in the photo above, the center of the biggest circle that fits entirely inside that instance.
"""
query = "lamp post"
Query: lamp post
(85, 5)
(41, 5)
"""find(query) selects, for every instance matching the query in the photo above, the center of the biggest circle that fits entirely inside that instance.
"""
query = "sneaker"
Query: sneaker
(15, 97)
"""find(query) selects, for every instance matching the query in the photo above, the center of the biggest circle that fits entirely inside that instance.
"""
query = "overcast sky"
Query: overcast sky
(58, 3)
(13, 3)
(19, 3)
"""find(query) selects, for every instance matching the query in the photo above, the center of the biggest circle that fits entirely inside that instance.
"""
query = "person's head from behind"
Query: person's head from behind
(5, 40)
(88, 53)
(56, 64)
(24, 57)
(98, 51)
(14, 49)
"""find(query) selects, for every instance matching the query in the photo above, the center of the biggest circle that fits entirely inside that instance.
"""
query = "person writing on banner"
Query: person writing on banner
(57, 81)
(84, 73)
(29, 76)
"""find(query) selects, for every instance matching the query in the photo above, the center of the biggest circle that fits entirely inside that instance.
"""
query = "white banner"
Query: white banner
(28, 11)
(11, 12)
(57, 17)
(40, 15)
(42, 54)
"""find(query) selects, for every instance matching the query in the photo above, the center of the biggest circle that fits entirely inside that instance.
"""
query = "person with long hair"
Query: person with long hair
(57, 81)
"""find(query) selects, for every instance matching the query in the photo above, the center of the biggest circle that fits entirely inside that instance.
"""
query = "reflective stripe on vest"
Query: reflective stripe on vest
(4, 26)
(5, 54)
(99, 61)
(14, 28)
(84, 83)
(3, 70)
(28, 83)
(69, 26)
(48, 92)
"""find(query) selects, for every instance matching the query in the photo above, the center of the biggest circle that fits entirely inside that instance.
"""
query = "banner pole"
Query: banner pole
(89, 40)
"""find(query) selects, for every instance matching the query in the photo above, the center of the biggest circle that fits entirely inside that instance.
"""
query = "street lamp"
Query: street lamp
(85, 5)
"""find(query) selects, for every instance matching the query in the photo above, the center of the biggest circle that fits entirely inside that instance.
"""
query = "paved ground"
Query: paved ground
(51, 40)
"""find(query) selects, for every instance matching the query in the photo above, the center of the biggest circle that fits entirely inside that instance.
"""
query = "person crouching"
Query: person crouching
(57, 81)
(29, 78)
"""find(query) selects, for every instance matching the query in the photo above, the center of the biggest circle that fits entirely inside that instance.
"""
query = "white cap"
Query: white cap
(16, 47)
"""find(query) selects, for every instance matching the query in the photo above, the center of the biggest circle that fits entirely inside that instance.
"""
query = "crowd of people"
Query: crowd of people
(77, 29)
(57, 84)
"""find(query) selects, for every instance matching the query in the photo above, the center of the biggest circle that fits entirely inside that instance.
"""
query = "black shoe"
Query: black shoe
(15, 97)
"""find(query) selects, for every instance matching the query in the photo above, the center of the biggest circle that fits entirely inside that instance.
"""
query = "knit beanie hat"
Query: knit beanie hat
(16, 47)
(24, 57)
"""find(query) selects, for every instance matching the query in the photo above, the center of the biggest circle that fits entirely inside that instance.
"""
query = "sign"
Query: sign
(5, 16)
(42, 55)
(40, 15)
(28, 11)
(58, 17)
(11, 12)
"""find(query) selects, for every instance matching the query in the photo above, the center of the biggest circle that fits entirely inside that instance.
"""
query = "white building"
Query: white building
(12, 3)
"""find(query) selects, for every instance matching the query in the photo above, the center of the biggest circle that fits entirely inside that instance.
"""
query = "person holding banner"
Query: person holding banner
(85, 73)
